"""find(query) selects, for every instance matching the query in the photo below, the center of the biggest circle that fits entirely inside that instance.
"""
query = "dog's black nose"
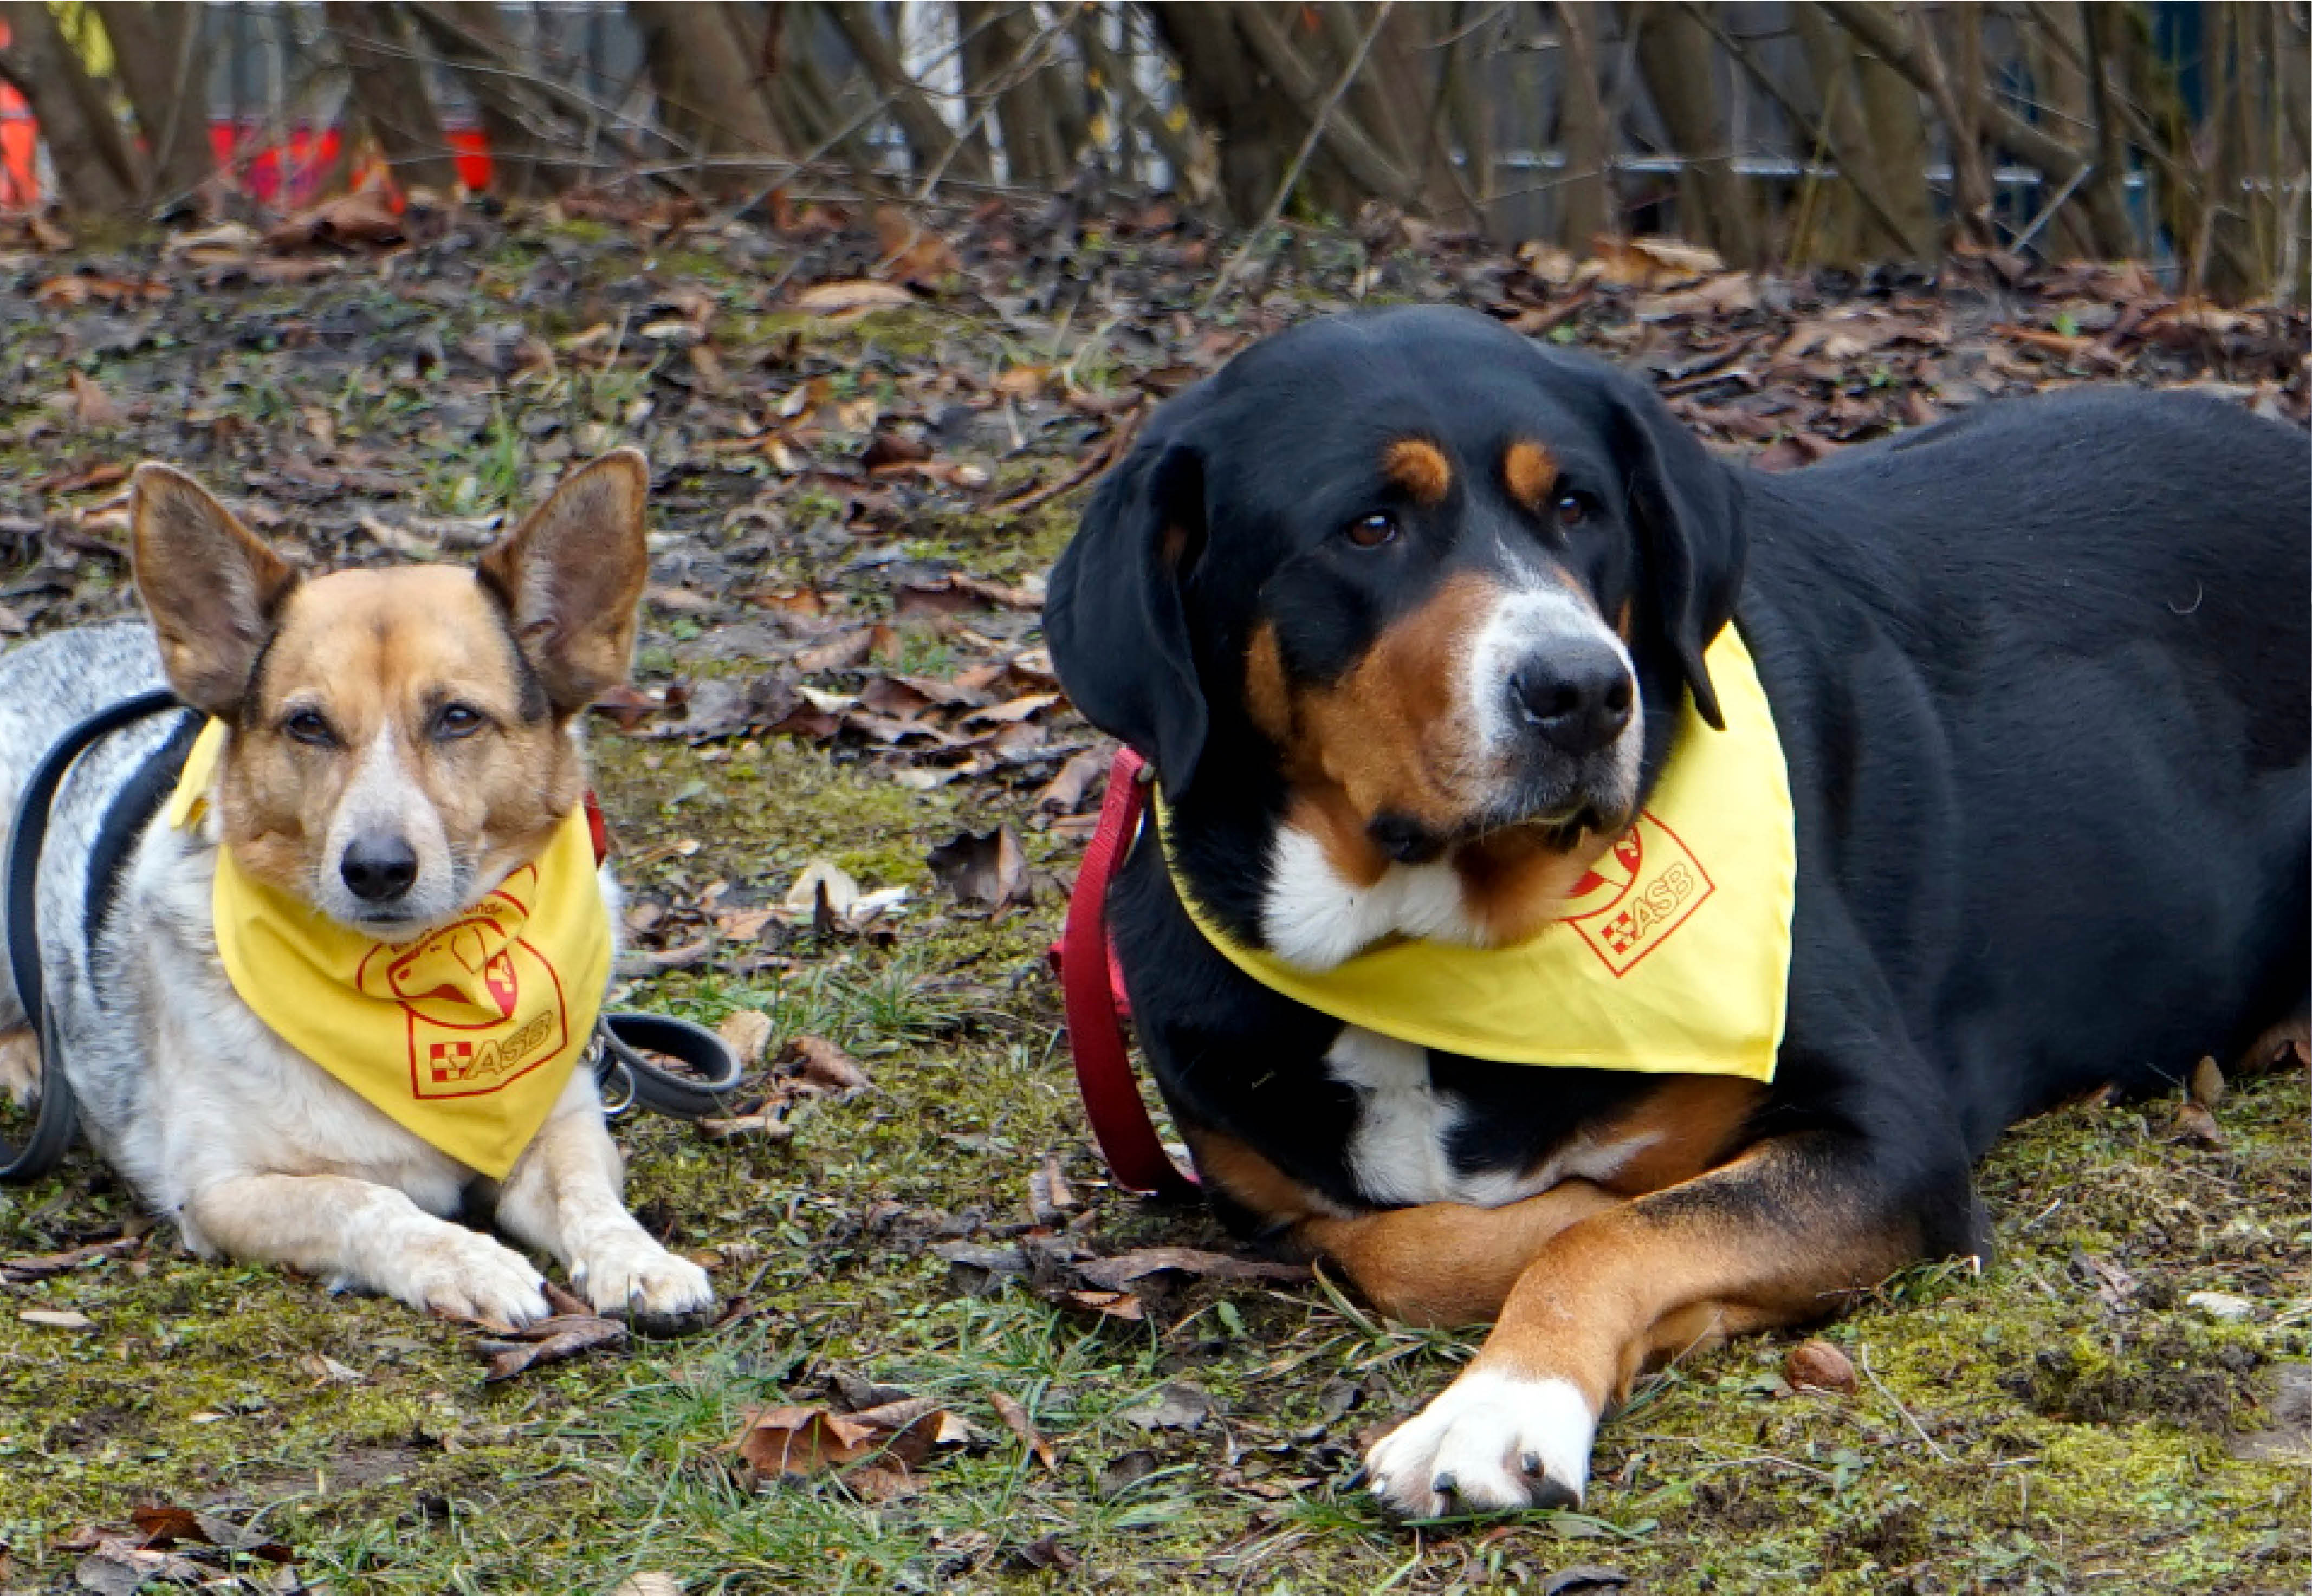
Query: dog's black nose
(376, 868)
(1577, 696)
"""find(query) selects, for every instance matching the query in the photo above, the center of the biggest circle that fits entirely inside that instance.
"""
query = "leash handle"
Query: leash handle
(1120, 1122)
(57, 1115)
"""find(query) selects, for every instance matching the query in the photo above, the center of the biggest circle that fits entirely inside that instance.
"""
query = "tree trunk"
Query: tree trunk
(95, 170)
(1250, 122)
(387, 81)
(927, 134)
(1587, 204)
(1896, 122)
(1000, 35)
(157, 51)
(525, 118)
(698, 66)
(2109, 231)
(1676, 56)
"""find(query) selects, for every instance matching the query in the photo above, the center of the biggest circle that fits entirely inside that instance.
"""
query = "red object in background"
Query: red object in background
(19, 139)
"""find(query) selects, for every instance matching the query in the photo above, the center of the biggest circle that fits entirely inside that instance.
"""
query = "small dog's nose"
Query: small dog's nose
(376, 868)
(1579, 698)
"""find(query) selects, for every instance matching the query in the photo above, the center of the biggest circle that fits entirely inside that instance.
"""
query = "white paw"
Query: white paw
(631, 1275)
(1491, 1443)
(463, 1273)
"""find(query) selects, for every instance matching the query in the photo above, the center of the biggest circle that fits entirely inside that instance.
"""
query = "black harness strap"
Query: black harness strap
(618, 1065)
(54, 1120)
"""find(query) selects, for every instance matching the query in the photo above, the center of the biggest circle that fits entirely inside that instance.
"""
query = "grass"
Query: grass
(2036, 1429)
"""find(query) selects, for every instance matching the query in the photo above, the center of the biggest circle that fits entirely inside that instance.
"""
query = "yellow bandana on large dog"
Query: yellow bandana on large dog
(1673, 955)
(465, 1037)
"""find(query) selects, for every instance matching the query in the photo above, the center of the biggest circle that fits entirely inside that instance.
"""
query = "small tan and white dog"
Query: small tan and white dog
(395, 758)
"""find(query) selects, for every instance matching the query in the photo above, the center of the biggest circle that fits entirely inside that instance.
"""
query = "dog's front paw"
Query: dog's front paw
(633, 1277)
(1492, 1442)
(469, 1276)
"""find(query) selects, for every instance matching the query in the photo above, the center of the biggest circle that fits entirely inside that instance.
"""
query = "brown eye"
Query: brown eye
(1373, 530)
(308, 727)
(1571, 511)
(456, 720)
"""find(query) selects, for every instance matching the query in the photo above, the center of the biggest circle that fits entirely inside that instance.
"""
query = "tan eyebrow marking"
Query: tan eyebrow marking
(1421, 468)
(1528, 472)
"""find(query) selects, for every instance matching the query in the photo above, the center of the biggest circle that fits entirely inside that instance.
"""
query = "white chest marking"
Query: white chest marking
(1313, 916)
(1401, 1149)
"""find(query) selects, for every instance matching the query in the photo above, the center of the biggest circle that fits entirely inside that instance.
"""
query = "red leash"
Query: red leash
(1092, 985)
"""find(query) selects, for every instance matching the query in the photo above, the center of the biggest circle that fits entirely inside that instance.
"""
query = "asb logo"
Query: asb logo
(1646, 885)
(482, 1007)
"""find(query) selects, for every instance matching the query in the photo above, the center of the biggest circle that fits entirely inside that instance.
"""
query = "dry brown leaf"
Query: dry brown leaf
(1817, 1365)
(1117, 1272)
(746, 1031)
(2207, 1085)
(63, 1319)
(1116, 1304)
(1064, 794)
(2194, 1126)
(1015, 1419)
(549, 1342)
(985, 868)
(816, 1064)
(852, 296)
(92, 406)
(1048, 1196)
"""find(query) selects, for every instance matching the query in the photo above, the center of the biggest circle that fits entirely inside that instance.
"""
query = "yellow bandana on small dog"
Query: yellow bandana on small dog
(1673, 955)
(464, 1037)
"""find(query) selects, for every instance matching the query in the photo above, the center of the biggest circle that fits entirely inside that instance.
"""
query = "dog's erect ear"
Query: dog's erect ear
(211, 587)
(1692, 540)
(1114, 617)
(572, 576)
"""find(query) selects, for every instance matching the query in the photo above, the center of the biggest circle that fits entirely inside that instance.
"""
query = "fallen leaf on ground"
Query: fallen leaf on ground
(67, 1318)
(1817, 1365)
(1174, 1406)
(746, 1033)
(814, 1064)
(876, 1451)
(984, 867)
(1117, 1272)
(649, 1585)
(549, 1342)
(1015, 1419)
(852, 296)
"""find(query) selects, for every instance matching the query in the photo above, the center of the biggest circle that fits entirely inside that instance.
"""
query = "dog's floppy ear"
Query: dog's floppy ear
(210, 587)
(1114, 615)
(571, 576)
(1691, 539)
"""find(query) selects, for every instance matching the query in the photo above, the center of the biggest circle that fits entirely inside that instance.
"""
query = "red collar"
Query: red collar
(596, 828)
(1091, 984)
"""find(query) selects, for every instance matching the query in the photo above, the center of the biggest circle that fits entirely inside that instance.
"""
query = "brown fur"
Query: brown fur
(1529, 473)
(1513, 883)
(382, 650)
(1452, 1264)
(1421, 468)
(1392, 734)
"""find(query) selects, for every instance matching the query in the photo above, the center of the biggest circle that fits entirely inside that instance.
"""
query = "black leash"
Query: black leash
(625, 1077)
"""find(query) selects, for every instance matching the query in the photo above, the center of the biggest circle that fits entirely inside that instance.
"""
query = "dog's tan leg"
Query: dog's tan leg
(1777, 1236)
(1444, 1263)
(565, 1197)
(357, 1234)
(19, 1065)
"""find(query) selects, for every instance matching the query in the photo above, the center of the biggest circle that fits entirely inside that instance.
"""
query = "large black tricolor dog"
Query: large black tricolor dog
(1420, 624)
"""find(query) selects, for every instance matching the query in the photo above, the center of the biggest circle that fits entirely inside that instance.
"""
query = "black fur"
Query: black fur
(2040, 674)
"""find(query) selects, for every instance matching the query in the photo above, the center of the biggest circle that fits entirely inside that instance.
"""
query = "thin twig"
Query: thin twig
(1300, 160)
(1864, 1357)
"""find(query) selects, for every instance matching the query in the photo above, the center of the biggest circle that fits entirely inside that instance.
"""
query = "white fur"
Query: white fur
(255, 1151)
(1400, 1149)
(383, 798)
(1479, 1438)
(1313, 916)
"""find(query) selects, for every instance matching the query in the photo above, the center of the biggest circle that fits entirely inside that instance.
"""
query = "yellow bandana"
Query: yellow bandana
(1673, 955)
(465, 1037)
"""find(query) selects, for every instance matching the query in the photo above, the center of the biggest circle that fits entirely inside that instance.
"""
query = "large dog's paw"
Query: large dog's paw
(468, 1275)
(1492, 1442)
(631, 1276)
